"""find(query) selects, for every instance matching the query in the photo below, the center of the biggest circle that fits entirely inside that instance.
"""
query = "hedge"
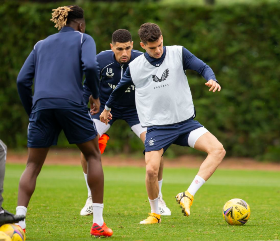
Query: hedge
(239, 42)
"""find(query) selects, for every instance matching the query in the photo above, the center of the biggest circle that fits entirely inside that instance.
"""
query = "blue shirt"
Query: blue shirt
(190, 61)
(111, 72)
(57, 65)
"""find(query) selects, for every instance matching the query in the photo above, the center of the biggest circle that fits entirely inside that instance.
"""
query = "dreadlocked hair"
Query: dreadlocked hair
(64, 15)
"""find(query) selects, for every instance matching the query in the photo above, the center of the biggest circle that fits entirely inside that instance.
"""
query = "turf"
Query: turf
(53, 213)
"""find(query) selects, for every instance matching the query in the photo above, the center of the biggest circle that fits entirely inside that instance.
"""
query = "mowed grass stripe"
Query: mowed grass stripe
(53, 213)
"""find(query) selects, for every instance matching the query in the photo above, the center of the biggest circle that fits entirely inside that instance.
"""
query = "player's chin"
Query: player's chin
(124, 60)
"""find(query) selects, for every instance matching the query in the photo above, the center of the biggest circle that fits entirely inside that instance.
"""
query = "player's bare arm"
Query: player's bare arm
(106, 116)
(214, 85)
(94, 105)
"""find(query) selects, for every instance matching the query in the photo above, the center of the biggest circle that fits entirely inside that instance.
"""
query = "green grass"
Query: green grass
(53, 213)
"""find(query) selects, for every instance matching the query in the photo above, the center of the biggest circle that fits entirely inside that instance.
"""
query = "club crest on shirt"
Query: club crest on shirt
(109, 72)
(164, 76)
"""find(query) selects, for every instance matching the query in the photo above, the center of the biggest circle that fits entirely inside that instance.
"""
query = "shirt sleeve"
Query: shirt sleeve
(120, 89)
(190, 61)
(87, 92)
(25, 82)
(90, 65)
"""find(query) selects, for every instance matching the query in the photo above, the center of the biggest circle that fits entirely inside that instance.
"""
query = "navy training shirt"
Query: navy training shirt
(190, 61)
(57, 65)
(111, 72)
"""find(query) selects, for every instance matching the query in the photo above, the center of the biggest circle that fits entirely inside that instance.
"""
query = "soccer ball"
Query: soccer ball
(4, 237)
(13, 231)
(236, 212)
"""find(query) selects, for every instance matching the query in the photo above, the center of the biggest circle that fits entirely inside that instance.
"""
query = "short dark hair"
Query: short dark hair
(64, 15)
(121, 36)
(149, 32)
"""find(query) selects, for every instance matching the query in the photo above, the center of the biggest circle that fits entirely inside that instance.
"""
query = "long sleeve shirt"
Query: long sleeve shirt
(57, 65)
(190, 61)
(111, 72)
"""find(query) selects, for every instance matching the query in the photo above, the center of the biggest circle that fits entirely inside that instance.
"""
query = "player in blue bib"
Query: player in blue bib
(113, 63)
(57, 65)
(165, 106)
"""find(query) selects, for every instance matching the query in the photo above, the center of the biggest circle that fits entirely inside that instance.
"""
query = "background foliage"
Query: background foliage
(240, 42)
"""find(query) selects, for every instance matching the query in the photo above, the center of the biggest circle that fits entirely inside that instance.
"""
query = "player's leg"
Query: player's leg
(80, 130)
(216, 152)
(158, 139)
(152, 159)
(3, 154)
(141, 133)
(95, 180)
(27, 183)
(202, 140)
(101, 129)
(5, 216)
(43, 131)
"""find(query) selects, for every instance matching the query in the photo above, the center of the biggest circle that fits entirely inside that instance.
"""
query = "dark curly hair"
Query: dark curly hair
(149, 32)
(121, 36)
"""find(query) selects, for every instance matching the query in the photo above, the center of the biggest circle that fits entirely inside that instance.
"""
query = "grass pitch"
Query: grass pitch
(53, 213)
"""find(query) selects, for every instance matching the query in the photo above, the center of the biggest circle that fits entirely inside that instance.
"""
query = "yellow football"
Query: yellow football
(4, 237)
(15, 232)
(236, 211)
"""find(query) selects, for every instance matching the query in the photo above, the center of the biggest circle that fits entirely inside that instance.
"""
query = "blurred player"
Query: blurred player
(57, 65)
(164, 104)
(112, 64)
(5, 216)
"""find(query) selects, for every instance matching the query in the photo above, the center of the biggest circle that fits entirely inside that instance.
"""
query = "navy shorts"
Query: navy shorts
(159, 137)
(45, 125)
(128, 114)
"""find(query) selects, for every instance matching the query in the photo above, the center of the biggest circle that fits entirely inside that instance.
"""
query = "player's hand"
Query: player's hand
(106, 116)
(94, 105)
(213, 85)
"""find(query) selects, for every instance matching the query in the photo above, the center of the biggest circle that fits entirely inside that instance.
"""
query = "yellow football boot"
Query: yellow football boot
(153, 218)
(185, 199)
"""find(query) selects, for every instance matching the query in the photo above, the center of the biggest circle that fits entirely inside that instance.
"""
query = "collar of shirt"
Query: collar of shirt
(156, 62)
(66, 29)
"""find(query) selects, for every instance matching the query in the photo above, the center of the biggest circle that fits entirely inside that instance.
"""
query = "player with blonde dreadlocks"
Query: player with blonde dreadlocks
(65, 15)
(60, 62)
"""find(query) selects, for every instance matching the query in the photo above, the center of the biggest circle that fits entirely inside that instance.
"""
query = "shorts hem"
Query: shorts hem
(40, 146)
(85, 140)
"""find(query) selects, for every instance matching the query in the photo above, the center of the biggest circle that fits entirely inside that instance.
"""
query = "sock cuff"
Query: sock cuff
(153, 199)
(100, 205)
(200, 178)
(160, 181)
(21, 208)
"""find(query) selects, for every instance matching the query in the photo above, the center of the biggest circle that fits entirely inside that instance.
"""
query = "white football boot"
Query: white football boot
(164, 210)
(87, 209)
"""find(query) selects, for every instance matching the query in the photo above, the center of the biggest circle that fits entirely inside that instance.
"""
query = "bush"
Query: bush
(240, 43)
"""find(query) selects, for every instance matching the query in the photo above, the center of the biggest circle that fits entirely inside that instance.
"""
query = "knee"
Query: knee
(92, 155)
(152, 173)
(34, 168)
(218, 151)
(151, 170)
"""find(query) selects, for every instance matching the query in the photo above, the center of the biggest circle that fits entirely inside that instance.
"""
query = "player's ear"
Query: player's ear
(142, 45)
(132, 44)
(111, 46)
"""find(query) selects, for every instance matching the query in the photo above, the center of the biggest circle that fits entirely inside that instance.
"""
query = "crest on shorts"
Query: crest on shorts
(109, 72)
(164, 76)
(151, 142)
